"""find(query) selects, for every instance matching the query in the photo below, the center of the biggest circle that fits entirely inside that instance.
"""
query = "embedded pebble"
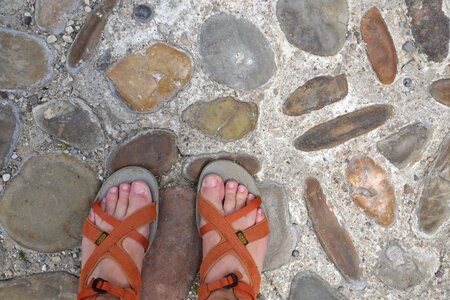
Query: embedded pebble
(51, 39)
(307, 285)
(10, 126)
(142, 13)
(224, 118)
(315, 26)
(440, 91)
(409, 47)
(51, 15)
(6, 177)
(235, 53)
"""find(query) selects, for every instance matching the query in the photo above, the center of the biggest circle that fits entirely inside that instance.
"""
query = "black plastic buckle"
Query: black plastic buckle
(94, 285)
(235, 281)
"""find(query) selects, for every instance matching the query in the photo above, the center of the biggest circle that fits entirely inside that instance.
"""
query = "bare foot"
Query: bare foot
(229, 198)
(119, 203)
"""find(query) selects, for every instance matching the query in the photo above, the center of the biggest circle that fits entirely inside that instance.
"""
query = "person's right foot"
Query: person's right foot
(229, 198)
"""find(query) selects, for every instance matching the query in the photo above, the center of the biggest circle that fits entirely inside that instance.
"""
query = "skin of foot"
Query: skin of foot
(229, 198)
(119, 202)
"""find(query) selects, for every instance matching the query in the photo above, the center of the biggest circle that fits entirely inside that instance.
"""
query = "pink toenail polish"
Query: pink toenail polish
(230, 185)
(242, 189)
(209, 182)
(125, 187)
(139, 189)
(114, 190)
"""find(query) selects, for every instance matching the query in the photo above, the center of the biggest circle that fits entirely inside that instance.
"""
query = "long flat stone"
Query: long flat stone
(307, 285)
(283, 237)
(147, 81)
(430, 28)
(333, 237)
(51, 16)
(235, 52)
(193, 165)
(315, 26)
(440, 91)
(25, 60)
(155, 150)
(174, 258)
(70, 120)
(46, 203)
(405, 147)
(87, 40)
(380, 46)
(434, 210)
(344, 128)
(224, 118)
(371, 189)
(10, 125)
(315, 94)
(49, 286)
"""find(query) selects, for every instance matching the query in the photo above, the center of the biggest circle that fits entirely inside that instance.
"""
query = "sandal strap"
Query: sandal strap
(100, 286)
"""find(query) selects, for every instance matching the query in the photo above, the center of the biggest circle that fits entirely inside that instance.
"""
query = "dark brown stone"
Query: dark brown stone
(193, 165)
(10, 125)
(434, 210)
(315, 94)
(344, 128)
(430, 28)
(87, 40)
(380, 46)
(174, 257)
(155, 150)
(440, 90)
(333, 237)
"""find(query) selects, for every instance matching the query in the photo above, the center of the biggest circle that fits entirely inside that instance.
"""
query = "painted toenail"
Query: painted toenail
(231, 185)
(139, 189)
(210, 182)
(125, 187)
(114, 190)
(242, 189)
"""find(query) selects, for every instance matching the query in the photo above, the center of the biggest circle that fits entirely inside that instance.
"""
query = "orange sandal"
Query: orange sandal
(231, 242)
(110, 244)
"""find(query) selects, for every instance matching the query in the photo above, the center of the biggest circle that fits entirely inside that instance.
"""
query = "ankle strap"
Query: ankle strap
(99, 286)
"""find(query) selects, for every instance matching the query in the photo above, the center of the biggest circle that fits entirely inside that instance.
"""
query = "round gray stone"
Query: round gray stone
(10, 124)
(309, 286)
(235, 53)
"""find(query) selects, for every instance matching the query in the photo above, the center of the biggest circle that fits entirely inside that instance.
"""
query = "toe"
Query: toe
(139, 196)
(260, 215)
(251, 216)
(122, 203)
(213, 190)
(111, 200)
(229, 204)
(241, 196)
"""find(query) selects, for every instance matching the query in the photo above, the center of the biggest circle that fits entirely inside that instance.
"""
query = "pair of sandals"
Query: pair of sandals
(109, 244)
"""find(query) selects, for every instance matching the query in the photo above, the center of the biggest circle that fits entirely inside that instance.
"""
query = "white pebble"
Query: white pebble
(56, 259)
(68, 29)
(27, 14)
(67, 38)
(86, 2)
(44, 268)
(14, 156)
(51, 39)
(87, 9)
(6, 177)
(70, 23)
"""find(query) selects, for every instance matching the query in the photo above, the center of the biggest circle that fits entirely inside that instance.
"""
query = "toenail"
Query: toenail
(210, 182)
(139, 189)
(125, 187)
(114, 190)
(242, 189)
(231, 185)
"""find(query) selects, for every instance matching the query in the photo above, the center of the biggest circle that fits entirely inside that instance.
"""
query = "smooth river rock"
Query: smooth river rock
(70, 120)
(315, 94)
(380, 46)
(434, 210)
(155, 150)
(430, 28)
(25, 60)
(224, 118)
(333, 237)
(174, 258)
(405, 147)
(147, 81)
(316, 26)
(371, 190)
(48, 286)
(10, 125)
(51, 15)
(283, 237)
(307, 285)
(440, 90)
(44, 206)
(88, 38)
(193, 165)
(235, 53)
(344, 128)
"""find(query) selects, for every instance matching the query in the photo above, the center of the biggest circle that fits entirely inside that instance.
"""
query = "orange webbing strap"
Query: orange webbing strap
(110, 245)
(231, 244)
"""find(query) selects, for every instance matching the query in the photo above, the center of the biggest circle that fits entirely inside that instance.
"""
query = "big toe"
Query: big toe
(213, 190)
(139, 196)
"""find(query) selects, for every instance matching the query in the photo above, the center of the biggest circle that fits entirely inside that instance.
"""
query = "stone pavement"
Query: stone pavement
(340, 109)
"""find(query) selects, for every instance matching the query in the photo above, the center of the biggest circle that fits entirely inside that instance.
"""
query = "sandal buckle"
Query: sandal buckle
(94, 285)
(235, 281)
(242, 237)
(101, 238)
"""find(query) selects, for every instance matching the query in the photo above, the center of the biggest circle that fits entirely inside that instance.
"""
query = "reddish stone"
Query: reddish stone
(440, 90)
(380, 46)
(174, 257)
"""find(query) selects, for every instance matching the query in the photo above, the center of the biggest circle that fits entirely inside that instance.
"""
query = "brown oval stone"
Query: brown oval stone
(371, 190)
(155, 150)
(315, 94)
(333, 237)
(440, 90)
(380, 46)
(193, 165)
(52, 15)
(344, 128)
(147, 81)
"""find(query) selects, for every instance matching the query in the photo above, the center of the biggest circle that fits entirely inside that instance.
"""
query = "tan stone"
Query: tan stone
(224, 118)
(371, 190)
(52, 15)
(440, 90)
(147, 81)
